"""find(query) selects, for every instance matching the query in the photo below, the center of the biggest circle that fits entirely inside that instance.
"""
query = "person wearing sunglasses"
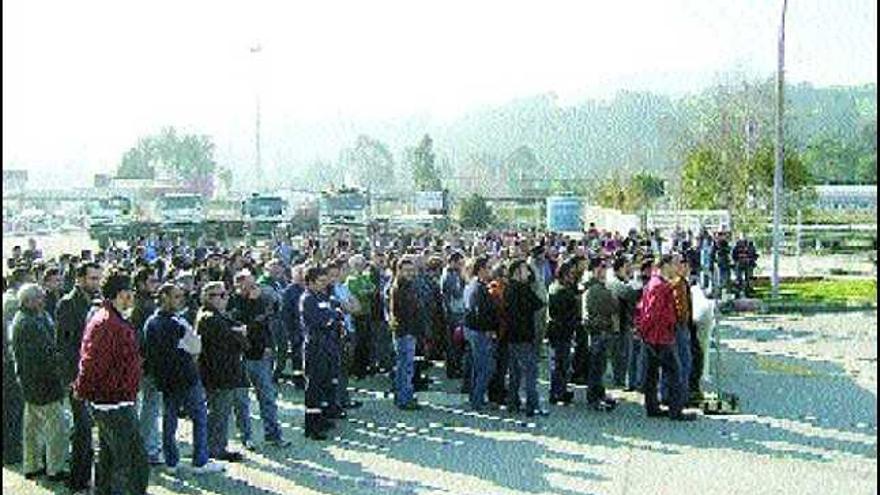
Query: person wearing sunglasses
(220, 365)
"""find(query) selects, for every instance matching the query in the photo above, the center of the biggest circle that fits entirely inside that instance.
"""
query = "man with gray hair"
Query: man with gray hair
(13, 405)
(45, 427)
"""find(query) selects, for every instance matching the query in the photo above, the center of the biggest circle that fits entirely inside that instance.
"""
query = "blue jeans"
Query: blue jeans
(636, 365)
(663, 357)
(682, 348)
(219, 408)
(483, 362)
(241, 407)
(599, 344)
(404, 369)
(148, 417)
(259, 373)
(560, 365)
(193, 400)
(523, 362)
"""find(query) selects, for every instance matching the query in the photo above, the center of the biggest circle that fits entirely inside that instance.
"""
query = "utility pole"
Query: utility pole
(258, 168)
(777, 174)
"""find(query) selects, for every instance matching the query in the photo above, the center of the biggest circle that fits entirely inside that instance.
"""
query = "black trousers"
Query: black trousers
(665, 357)
(320, 393)
(363, 347)
(13, 413)
(122, 458)
(497, 392)
(580, 365)
(83, 454)
(696, 362)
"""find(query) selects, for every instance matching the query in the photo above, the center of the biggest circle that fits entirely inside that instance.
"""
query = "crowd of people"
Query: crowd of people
(130, 339)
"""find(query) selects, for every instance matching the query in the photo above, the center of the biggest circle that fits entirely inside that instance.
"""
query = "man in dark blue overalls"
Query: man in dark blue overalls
(319, 321)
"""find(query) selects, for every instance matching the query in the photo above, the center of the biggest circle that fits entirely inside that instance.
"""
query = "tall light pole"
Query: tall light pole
(777, 173)
(258, 169)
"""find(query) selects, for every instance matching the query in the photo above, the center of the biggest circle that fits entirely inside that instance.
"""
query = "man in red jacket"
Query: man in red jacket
(110, 369)
(656, 322)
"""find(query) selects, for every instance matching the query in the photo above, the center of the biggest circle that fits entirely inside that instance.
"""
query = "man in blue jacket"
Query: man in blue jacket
(292, 325)
(172, 348)
(319, 320)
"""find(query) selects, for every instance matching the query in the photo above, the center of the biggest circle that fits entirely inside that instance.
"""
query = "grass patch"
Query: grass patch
(778, 366)
(839, 291)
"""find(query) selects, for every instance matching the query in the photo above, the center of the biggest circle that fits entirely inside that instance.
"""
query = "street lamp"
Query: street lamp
(777, 173)
(255, 50)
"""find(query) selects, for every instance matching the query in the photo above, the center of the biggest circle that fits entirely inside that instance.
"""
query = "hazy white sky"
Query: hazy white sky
(82, 80)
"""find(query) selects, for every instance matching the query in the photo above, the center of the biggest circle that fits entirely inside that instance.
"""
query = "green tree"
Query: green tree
(425, 175)
(372, 164)
(190, 159)
(475, 213)
(612, 193)
(137, 162)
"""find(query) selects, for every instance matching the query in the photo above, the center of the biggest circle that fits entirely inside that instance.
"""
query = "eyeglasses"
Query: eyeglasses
(219, 294)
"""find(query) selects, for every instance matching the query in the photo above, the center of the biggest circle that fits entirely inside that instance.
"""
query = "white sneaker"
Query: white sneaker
(209, 468)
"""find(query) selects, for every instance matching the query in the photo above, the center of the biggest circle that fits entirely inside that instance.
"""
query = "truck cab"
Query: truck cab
(180, 209)
(263, 213)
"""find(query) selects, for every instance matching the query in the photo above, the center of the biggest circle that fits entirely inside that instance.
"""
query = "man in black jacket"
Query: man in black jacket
(70, 322)
(249, 307)
(220, 366)
(565, 319)
(145, 282)
(521, 303)
(481, 330)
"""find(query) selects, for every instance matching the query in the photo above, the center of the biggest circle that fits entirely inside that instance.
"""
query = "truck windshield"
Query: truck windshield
(343, 202)
(181, 202)
(271, 207)
(114, 204)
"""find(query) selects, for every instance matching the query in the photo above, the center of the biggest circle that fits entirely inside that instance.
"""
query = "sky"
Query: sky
(83, 80)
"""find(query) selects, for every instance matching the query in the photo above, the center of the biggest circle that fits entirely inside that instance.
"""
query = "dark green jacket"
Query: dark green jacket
(70, 322)
(627, 298)
(36, 357)
(600, 307)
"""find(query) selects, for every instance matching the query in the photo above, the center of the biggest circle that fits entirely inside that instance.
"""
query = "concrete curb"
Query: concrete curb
(766, 307)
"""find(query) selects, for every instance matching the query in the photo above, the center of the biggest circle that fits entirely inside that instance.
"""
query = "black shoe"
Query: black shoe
(353, 404)
(336, 415)
(658, 414)
(35, 474)
(611, 402)
(278, 442)
(683, 417)
(77, 487)
(230, 457)
(316, 435)
(600, 406)
(410, 406)
(59, 477)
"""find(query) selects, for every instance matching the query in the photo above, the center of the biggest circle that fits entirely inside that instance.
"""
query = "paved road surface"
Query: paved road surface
(809, 389)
